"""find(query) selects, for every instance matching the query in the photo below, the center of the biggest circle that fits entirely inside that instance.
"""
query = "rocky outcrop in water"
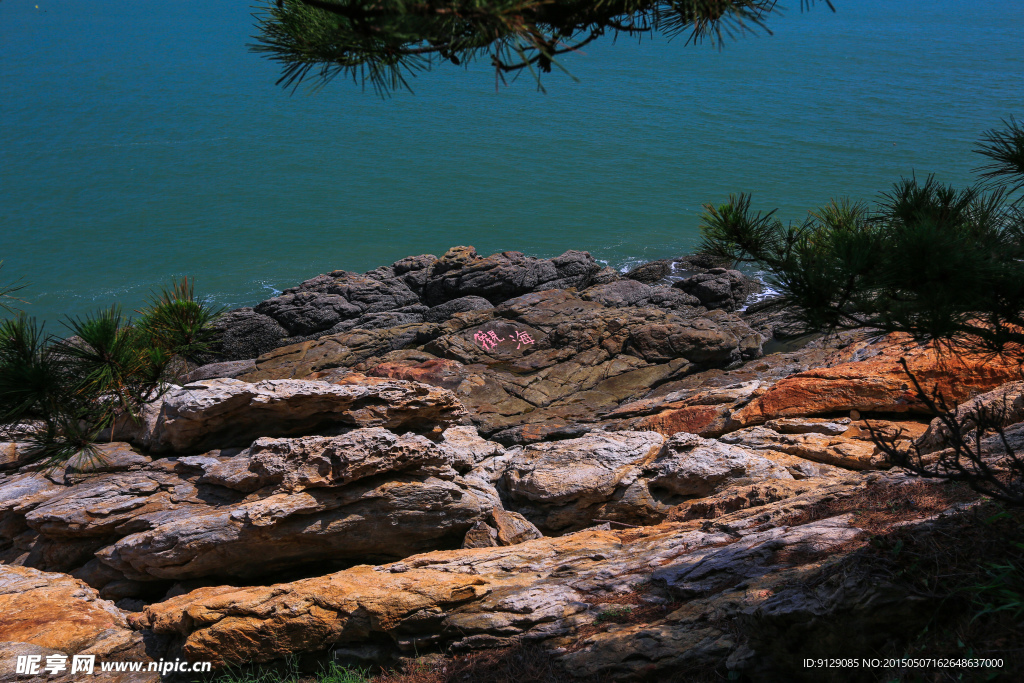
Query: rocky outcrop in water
(720, 288)
(414, 290)
(471, 453)
(548, 358)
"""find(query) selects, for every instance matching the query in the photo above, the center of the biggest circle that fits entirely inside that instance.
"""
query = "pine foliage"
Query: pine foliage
(926, 258)
(63, 393)
(384, 42)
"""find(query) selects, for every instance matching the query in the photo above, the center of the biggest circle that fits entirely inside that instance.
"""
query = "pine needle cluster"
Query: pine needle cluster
(61, 394)
(928, 259)
(384, 42)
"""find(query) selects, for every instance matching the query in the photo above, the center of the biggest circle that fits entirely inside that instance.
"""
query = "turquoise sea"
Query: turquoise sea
(141, 140)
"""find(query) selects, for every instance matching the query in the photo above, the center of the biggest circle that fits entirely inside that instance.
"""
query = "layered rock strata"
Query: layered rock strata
(473, 452)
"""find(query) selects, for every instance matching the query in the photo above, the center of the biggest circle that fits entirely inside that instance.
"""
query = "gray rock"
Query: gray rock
(618, 294)
(390, 512)
(365, 495)
(750, 557)
(465, 449)
(321, 303)
(305, 312)
(809, 425)
(220, 413)
(446, 310)
(386, 319)
(605, 275)
(326, 461)
(720, 288)
(244, 333)
(565, 485)
(672, 299)
(107, 457)
(650, 273)
(693, 467)
(229, 369)
(774, 319)
(460, 272)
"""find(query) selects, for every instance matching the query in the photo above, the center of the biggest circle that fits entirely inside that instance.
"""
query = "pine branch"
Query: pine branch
(383, 42)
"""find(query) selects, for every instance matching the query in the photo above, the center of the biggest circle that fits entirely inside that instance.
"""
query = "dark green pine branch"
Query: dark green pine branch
(927, 259)
(384, 42)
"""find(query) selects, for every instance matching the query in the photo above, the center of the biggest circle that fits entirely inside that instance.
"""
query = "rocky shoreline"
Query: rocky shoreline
(460, 453)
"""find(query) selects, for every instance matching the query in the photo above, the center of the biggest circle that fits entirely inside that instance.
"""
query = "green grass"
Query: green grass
(612, 614)
(289, 673)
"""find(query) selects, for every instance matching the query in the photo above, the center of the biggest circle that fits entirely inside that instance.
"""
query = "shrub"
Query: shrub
(61, 394)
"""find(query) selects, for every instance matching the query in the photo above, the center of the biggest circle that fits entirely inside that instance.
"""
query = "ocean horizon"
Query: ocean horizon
(140, 142)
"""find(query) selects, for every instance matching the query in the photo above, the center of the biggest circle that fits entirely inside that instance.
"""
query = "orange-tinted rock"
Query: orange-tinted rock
(879, 383)
(439, 372)
(59, 612)
(706, 413)
(702, 420)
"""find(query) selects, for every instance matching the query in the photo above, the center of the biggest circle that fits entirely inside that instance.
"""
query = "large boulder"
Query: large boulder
(220, 413)
(54, 615)
(720, 288)
(243, 333)
(460, 272)
(651, 273)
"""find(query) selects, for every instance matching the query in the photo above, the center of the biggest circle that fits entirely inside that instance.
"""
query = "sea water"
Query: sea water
(141, 141)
